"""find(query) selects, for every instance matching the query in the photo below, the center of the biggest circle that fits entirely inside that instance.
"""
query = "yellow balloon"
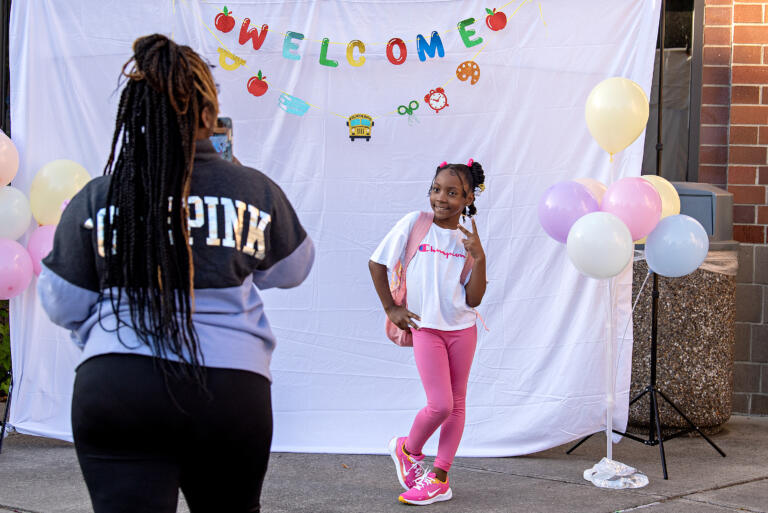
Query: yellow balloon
(595, 187)
(616, 113)
(56, 182)
(670, 200)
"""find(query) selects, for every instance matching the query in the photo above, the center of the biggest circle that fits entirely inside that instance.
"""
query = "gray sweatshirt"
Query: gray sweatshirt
(245, 237)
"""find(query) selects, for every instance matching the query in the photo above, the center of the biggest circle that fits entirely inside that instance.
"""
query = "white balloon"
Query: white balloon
(15, 213)
(600, 245)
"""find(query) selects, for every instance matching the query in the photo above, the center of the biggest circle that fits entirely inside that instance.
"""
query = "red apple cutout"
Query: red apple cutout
(495, 20)
(224, 20)
(257, 85)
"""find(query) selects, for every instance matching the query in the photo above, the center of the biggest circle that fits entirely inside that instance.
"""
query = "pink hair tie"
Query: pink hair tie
(443, 164)
(469, 164)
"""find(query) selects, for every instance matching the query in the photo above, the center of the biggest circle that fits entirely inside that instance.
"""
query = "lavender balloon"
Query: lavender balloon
(562, 205)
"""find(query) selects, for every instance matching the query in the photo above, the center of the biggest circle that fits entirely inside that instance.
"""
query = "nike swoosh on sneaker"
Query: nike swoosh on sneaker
(431, 494)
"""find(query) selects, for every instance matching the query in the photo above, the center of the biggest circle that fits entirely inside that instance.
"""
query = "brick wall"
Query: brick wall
(734, 138)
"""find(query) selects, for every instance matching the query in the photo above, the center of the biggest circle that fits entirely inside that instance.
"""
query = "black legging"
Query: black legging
(138, 444)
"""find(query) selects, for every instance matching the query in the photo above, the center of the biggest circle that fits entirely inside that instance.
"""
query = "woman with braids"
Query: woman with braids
(446, 281)
(153, 270)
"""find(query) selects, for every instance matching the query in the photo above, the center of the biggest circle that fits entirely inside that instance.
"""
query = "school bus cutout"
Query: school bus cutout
(360, 126)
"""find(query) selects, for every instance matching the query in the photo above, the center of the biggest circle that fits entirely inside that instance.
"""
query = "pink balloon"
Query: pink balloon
(15, 269)
(636, 202)
(9, 160)
(39, 245)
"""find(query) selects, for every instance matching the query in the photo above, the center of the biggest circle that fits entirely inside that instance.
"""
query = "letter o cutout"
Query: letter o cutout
(396, 41)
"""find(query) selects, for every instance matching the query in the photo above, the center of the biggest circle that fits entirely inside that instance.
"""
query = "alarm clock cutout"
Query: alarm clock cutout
(436, 99)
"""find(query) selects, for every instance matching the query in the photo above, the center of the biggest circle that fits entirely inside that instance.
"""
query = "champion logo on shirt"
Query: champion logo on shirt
(427, 248)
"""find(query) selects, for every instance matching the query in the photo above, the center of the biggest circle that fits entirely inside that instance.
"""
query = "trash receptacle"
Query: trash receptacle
(695, 338)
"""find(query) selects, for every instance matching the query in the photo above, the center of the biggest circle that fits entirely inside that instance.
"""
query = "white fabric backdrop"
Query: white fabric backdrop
(339, 385)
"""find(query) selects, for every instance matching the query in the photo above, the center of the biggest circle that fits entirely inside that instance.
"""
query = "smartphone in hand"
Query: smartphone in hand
(222, 137)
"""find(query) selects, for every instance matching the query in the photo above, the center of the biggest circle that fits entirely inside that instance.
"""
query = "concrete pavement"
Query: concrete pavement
(39, 475)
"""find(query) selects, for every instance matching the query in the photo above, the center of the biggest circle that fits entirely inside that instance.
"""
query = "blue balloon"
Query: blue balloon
(677, 246)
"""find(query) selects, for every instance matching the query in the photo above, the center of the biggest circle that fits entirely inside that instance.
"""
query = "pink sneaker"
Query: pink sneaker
(409, 468)
(427, 490)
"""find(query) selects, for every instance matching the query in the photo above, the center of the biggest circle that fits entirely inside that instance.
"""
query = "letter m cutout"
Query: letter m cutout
(435, 46)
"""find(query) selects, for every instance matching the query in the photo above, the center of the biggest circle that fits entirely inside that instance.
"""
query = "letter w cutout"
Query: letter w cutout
(256, 37)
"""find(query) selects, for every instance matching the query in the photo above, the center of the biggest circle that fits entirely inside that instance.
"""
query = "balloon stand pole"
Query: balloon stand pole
(610, 399)
(608, 473)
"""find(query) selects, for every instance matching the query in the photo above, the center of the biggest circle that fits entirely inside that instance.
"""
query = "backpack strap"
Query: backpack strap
(418, 232)
(468, 263)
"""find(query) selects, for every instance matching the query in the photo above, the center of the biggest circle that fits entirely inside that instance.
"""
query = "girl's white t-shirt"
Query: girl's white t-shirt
(432, 278)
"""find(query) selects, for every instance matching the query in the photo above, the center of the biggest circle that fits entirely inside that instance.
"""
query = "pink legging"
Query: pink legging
(443, 359)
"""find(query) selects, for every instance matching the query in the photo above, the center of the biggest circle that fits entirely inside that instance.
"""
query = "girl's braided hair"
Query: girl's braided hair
(148, 259)
(471, 175)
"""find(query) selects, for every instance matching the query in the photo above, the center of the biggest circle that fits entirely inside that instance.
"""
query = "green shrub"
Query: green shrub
(5, 350)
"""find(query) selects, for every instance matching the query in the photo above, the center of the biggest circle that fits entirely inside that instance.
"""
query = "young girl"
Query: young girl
(440, 315)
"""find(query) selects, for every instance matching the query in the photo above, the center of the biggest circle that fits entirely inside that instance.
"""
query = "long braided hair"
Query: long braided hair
(473, 176)
(147, 253)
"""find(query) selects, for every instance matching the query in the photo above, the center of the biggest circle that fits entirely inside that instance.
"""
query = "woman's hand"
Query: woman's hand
(402, 317)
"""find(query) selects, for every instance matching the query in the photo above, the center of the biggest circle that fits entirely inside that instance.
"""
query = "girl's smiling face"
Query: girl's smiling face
(448, 197)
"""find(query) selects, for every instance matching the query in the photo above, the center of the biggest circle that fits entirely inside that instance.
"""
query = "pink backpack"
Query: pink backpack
(418, 232)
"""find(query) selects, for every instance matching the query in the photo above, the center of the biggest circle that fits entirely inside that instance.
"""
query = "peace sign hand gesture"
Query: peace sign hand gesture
(472, 243)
